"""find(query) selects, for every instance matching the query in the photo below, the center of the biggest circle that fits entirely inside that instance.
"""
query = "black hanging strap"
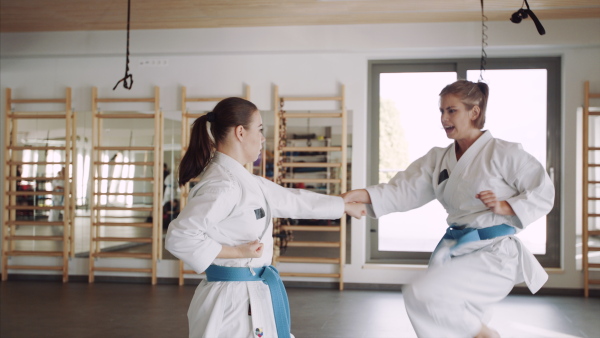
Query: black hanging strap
(128, 79)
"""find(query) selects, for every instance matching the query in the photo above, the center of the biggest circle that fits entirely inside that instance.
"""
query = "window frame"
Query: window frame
(553, 142)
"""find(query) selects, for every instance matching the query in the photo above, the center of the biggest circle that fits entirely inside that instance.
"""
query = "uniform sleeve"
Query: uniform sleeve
(408, 190)
(300, 203)
(535, 196)
(187, 237)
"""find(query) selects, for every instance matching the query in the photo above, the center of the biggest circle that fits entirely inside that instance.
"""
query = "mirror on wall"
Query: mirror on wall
(126, 173)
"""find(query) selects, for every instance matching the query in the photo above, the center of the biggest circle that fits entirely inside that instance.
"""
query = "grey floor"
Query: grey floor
(52, 309)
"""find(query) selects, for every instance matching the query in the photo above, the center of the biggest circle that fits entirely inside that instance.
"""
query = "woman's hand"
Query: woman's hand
(356, 210)
(491, 201)
(357, 196)
(247, 250)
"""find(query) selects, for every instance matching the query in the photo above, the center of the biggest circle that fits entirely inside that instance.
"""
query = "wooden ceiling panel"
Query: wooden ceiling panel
(69, 15)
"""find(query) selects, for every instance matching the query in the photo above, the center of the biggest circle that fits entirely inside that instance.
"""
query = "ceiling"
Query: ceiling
(69, 15)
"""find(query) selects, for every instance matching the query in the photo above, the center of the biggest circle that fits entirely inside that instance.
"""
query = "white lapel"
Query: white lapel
(246, 179)
(462, 164)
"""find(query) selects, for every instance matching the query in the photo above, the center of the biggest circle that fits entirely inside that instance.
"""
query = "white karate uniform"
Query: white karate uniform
(221, 211)
(450, 300)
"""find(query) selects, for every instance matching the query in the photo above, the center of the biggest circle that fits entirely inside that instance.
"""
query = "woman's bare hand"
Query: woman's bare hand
(248, 250)
(490, 200)
(356, 210)
(251, 250)
(357, 196)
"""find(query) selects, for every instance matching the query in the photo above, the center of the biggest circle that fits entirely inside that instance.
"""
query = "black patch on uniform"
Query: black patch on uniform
(260, 213)
(443, 176)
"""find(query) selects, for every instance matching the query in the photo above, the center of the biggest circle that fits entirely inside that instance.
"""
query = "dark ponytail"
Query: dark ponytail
(228, 113)
(199, 152)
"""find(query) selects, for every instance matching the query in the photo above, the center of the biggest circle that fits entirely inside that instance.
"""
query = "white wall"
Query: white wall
(307, 60)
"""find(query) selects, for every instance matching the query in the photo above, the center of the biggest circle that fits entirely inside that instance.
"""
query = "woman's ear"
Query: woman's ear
(475, 113)
(240, 132)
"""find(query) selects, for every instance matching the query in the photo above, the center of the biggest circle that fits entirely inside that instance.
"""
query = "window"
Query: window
(524, 107)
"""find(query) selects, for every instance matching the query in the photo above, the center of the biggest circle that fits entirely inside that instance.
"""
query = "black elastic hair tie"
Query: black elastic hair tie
(210, 116)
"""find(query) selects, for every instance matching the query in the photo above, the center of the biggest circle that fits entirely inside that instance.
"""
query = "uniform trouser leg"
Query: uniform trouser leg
(450, 300)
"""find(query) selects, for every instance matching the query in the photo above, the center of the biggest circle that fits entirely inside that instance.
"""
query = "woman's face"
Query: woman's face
(255, 138)
(456, 119)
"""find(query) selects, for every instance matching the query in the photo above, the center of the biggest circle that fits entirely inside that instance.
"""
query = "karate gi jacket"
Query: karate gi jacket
(230, 206)
(504, 167)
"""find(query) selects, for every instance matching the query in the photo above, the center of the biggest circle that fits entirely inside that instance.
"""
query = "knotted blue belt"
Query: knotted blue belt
(466, 235)
(268, 275)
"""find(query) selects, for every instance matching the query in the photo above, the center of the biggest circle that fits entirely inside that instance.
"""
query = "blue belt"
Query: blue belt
(466, 235)
(268, 275)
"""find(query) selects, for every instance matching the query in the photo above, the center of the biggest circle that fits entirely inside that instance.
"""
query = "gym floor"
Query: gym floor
(52, 309)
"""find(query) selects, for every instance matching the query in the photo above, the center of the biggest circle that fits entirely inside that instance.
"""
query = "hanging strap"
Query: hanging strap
(268, 275)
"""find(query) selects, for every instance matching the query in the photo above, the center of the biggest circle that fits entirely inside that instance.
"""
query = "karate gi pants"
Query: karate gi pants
(451, 299)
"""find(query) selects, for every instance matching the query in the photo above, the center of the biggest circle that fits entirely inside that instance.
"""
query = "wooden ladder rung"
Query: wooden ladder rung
(194, 116)
(324, 228)
(312, 115)
(192, 272)
(594, 113)
(593, 265)
(593, 248)
(310, 165)
(123, 208)
(124, 179)
(313, 244)
(34, 163)
(121, 255)
(35, 223)
(38, 101)
(97, 268)
(131, 224)
(125, 163)
(34, 193)
(35, 253)
(124, 239)
(204, 99)
(31, 207)
(311, 149)
(123, 194)
(40, 116)
(311, 180)
(124, 148)
(35, 267)
(309, 274)
(594, 233)
(35, 148)
(594, 281)
(142, 99)
(29, 179)
(311, 98)
(125, 116)
(291, 259)
(35, 238)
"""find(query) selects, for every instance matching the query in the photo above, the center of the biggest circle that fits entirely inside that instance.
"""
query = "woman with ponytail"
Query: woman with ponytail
(226, 228)
(491, 190)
